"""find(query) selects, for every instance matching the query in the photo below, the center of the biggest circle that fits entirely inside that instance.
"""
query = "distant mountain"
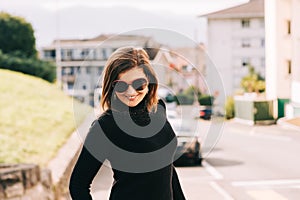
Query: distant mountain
(88, 22)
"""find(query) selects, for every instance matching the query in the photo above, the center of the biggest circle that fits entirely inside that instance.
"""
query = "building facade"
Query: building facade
(235, 40)
(283, 55)
(80, 62)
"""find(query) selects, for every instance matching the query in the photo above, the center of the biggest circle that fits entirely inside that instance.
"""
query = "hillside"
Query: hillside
(36, 118)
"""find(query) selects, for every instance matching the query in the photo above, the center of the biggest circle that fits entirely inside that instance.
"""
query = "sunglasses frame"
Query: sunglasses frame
(132, 85)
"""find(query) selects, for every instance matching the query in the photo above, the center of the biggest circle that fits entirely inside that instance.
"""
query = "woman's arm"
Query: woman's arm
(87, 165)
(177, 190)
(83, 174)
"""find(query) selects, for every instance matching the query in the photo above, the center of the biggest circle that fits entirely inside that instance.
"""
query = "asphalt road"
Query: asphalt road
(241, 162)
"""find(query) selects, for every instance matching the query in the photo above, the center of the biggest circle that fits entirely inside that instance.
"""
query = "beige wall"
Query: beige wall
(278, 48)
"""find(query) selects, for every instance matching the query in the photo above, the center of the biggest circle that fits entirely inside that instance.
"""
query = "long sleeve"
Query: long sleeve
(87, 165)
(82, 176)
(176, 187)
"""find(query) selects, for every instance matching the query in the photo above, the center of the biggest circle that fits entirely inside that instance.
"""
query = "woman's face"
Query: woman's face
(135, 78)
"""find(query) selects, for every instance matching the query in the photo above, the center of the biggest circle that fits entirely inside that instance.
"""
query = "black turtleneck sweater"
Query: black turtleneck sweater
(140, 147)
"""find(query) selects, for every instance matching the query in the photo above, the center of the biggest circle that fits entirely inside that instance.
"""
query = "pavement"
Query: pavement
(292, 123)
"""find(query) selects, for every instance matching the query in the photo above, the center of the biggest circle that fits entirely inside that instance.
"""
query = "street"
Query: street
(248, 162)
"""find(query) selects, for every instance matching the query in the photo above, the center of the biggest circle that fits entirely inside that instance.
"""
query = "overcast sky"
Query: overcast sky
(65, 19)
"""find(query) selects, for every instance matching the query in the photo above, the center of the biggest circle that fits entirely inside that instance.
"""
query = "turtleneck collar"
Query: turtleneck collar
(138, 113)
(119, 106)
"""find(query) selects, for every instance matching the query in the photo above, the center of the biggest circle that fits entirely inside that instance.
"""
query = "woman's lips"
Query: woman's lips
(131, 98)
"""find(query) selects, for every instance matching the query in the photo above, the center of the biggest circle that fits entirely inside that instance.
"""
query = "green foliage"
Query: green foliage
(36, 118)
(31, 66)
(229, 107)
(192, 91)
(253, 82)
(187, 96)
(205, 100)
(16, 35)
(183, 99)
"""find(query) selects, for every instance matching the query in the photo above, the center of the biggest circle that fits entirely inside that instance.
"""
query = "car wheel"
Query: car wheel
(198, 161)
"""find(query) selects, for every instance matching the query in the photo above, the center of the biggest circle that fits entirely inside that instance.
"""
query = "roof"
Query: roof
(115, 41)
(104, 37)
(254, 8)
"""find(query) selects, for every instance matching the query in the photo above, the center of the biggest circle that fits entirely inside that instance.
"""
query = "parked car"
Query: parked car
(205, 112)
(188, 149)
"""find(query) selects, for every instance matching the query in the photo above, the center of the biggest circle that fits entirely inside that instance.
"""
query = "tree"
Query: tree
(253, 82)
(16, 36)
(31, 66)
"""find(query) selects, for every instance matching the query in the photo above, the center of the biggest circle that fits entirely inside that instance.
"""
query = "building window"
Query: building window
(88, 70)
(288, 27)
(289, 67)
(245, 23)
(262, 42)
(262, 23)
(85, 53)
(70, 86)
(262, 62)
(104, 54)
(246, 43)
(78, 70)
(100, 69)
(49, 54)
(245, 62)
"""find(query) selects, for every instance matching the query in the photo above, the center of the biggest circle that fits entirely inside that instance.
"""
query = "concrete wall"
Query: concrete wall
(25, 182)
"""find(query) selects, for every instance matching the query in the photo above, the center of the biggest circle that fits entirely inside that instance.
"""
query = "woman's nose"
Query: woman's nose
(130, 90)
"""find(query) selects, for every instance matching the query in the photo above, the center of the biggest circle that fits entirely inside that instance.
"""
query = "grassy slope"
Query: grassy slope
(36, 118)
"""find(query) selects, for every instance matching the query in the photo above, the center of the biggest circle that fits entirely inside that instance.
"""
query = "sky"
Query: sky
(77, 19)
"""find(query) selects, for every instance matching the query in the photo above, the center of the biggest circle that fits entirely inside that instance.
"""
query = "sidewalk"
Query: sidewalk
(293, 123)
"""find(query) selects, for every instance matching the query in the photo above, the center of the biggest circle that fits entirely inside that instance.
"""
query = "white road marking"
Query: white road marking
(266, 182)
(221, 191)
(212, 171)
(265, 194)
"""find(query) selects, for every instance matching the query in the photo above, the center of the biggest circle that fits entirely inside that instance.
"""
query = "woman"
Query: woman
(132, 133)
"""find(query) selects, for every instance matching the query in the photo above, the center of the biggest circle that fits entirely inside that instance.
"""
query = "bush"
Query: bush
(183, 99)
(31, 66)
(205, 100)
(229, 108)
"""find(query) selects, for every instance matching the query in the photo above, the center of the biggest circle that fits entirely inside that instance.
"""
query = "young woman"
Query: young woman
(132, 133)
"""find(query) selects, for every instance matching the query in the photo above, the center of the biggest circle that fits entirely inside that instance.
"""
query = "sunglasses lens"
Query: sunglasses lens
(139, 84)
(121, 86)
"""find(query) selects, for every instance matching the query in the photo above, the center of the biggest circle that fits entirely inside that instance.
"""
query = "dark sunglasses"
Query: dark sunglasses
(138, 84)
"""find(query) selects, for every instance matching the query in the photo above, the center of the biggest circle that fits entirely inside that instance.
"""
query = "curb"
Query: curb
(282, 122)
(61, 166)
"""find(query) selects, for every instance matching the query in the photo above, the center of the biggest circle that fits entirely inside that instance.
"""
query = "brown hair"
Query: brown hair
(122, 60)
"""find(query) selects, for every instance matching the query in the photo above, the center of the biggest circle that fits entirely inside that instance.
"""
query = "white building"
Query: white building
(81, 62)
(191, 65)
(235, 39)
(283, 54)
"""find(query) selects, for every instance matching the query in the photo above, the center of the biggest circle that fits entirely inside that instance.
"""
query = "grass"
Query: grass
(36, 118)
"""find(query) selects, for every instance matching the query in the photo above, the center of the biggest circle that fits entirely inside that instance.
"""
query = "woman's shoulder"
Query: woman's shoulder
(105, 116)
(161, 102)
(104, 120)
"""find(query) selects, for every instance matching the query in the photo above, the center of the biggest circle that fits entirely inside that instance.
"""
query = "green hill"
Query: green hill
(36, 118)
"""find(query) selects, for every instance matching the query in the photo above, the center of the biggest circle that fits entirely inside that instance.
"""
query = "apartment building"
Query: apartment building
(235, 40)
(283, 55)
(80, 62)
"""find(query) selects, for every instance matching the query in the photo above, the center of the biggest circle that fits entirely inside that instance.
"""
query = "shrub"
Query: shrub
(205, 100)
(229, 108)
(31, 66)
(183, 99)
